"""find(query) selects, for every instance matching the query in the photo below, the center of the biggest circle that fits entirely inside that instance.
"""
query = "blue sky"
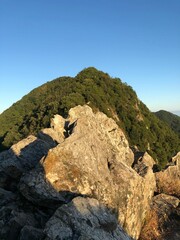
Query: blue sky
(135, 40)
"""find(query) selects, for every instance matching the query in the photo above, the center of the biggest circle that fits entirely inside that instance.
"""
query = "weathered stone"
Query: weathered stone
(31, 233)
(168, 181)
(163, 220)
(176, 159)
(51, 136)
(6, 197)
(84, 218)
(101, 127)
(7, 182)
(58, 124)
(16, 224)
(94, 160)
(35, 188)
(23, 156)
(134, 197)
(148, 160)
(142, 162)
(85, 155)
(12, 221)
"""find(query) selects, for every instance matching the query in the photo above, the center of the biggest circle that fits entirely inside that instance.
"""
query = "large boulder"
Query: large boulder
(168, 180)
(20, 158)
(31, 233)
(93, 160)
(163, 220)
(36, 189)
(135, 193)
(56, 133)
(19, 219)
(26, 154)
(6, 197)
(84, 218)
(13, 219)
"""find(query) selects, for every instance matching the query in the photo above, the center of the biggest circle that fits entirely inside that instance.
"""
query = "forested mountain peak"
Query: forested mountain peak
(171, 119)
(101, 92)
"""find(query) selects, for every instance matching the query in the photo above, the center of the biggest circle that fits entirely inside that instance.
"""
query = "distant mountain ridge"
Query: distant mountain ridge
(176, 112)
(101, 92)
(171, 119)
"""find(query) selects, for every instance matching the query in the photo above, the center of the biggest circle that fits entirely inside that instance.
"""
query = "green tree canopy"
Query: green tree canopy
(101, 92)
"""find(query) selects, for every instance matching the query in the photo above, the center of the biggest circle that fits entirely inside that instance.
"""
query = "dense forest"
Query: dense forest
(171, 119)
(96, 88)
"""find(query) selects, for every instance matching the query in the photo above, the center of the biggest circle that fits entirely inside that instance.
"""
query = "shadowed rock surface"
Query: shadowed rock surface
(20, 158)
(84, 218)
(94, 160)
(163, 221)
(79, 179)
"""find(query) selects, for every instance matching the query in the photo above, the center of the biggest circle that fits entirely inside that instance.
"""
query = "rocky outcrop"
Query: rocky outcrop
(20, 158)
(93, 160)
(79, 179)
(18, 217)
(163, 221)
(31, 233)
(84, 218)
(176, 159)
(56, 134)
(168, 181)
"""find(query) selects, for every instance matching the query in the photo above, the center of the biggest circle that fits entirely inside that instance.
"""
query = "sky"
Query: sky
(135, 40)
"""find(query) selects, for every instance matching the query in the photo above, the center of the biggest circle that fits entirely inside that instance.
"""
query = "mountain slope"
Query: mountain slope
(171, 119)
(101, 92)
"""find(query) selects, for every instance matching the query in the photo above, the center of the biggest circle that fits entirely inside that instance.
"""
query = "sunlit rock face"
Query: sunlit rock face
(168, 181)
(82, 164)
(94, 160)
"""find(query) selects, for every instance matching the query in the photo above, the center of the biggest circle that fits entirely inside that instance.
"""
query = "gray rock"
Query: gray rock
(20, 158)
(23, 156)
(58, 124)
(31, 233)
(13, 220)
(51, 136)
(84, 218)
(6, 181)
(6, 197)
(163, 220)
(168, 180)
(93, 160)
(35, 188)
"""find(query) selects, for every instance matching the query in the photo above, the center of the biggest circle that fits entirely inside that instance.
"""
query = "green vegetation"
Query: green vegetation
(171, 119)
(100, 91)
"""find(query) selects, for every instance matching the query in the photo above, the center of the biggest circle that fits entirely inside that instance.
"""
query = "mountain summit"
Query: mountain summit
(101, 92)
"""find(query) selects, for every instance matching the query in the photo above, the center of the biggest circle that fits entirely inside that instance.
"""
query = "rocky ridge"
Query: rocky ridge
(79, 179)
